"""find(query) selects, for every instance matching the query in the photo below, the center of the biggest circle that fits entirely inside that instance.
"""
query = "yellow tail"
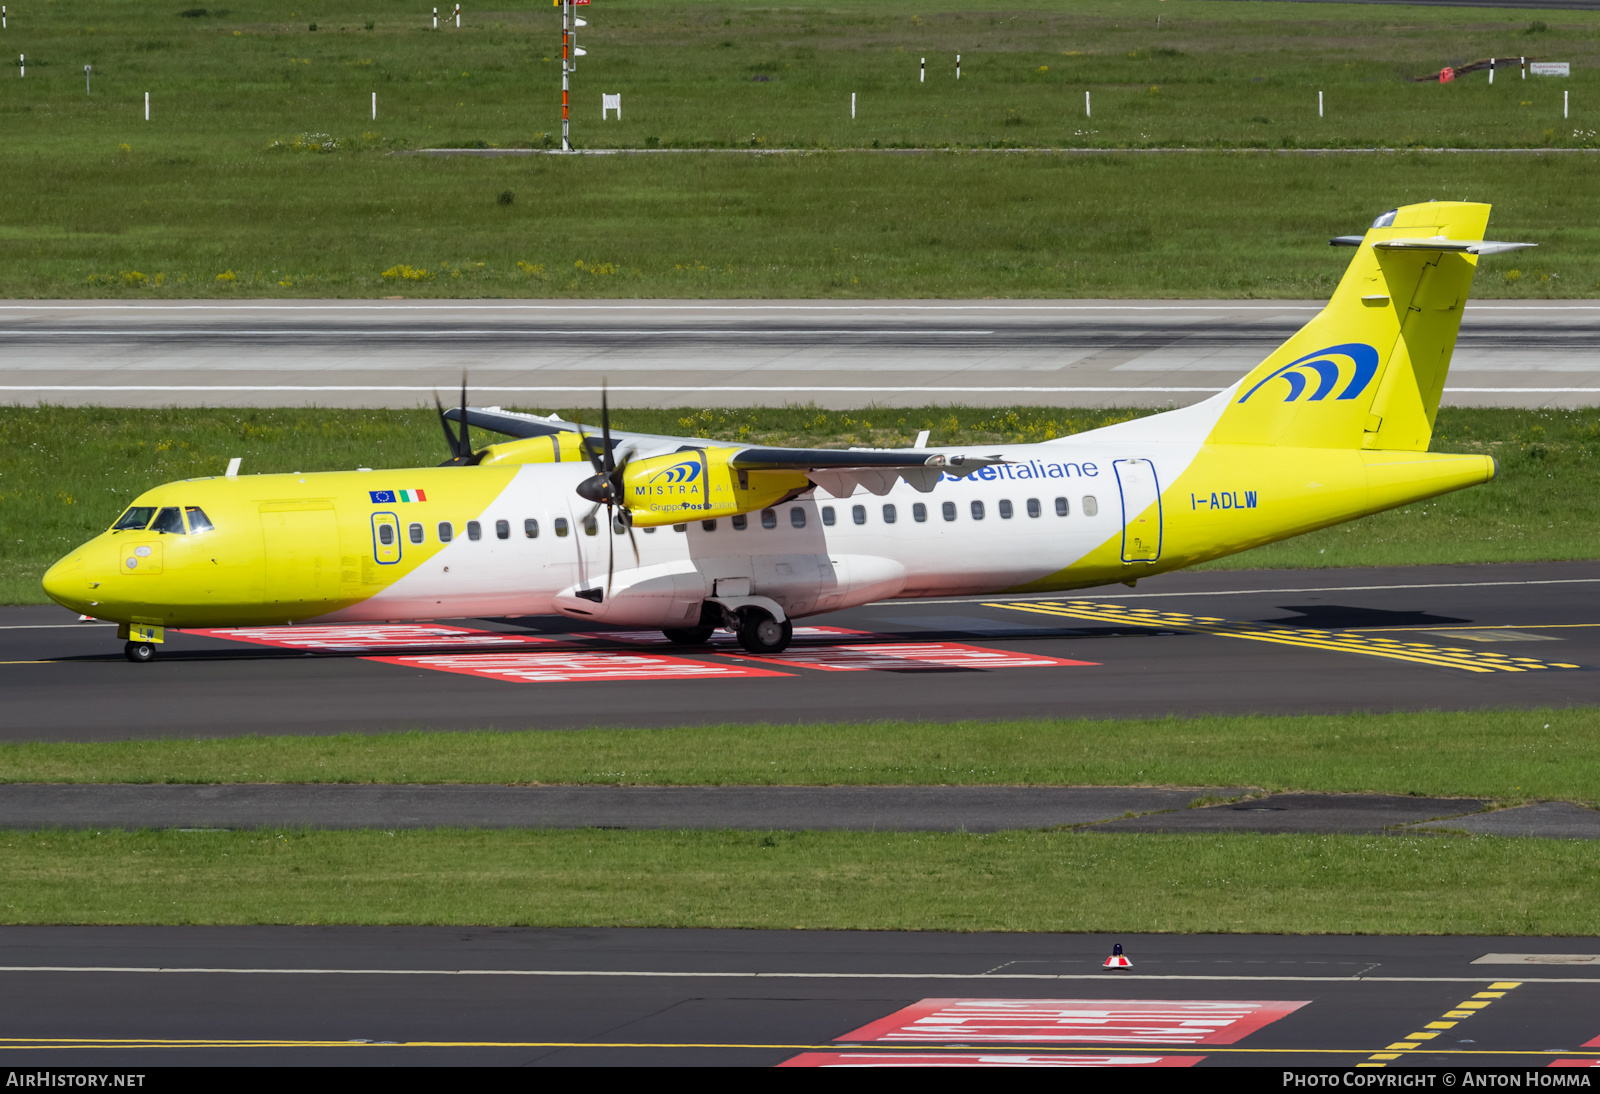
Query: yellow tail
(1368, 371)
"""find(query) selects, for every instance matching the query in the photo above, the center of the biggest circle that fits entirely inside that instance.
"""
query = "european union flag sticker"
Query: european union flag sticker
(381, 497)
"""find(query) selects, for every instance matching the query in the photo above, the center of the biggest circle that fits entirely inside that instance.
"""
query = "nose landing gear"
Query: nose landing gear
(139, 652)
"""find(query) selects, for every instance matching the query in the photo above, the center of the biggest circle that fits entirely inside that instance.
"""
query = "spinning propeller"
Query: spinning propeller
(461, 454)
(604, 487)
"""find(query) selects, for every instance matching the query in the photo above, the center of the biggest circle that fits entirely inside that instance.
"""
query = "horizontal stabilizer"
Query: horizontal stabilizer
(1455, 246)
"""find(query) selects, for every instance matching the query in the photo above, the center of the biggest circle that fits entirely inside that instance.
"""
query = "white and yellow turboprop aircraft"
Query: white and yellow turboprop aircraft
(1332, 426)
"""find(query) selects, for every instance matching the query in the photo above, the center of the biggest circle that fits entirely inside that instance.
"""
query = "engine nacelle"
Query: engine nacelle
(554, 448)
(698, 484)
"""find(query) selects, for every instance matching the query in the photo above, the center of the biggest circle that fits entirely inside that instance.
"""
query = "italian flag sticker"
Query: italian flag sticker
(413, 495)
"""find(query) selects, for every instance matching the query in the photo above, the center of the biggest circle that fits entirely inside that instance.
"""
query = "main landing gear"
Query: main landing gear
(760, 633)
(139, 652)
(756, 629)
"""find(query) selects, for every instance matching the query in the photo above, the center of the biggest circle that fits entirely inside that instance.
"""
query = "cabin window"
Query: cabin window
(562, 527)
(530, 528)
(797, 517)
(1090, 506)
(502, 529)
(1033, 507)
(137, 518)
(591, 527)
(769, 518)
(618, 528)
(474, 531)
(386, 534)
(949, 510)
(680, 527)
(740, 522)
(198, 521)
(1005, 509)
(858, 513)
(447, 531)
(169, 520)
(1062, 508)
(919, 512)
(889, 514)
(977, 510)
(650, 531)
(709, 525)
(415, 532)
(828, 517)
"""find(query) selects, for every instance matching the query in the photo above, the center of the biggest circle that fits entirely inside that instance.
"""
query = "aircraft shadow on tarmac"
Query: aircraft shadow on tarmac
(1349, 618)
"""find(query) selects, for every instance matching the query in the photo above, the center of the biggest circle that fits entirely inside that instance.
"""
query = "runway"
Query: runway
(1289, 641)
(130, 998)
(840, 354)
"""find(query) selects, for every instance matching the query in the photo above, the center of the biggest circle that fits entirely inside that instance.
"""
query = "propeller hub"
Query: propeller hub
(598, 489)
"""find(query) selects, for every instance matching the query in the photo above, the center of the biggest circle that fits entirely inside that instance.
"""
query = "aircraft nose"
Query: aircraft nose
(69, 582)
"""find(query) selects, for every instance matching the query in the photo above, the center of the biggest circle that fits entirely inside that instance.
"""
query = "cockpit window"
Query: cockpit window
(169, 520)
(136, 518)
(198, 521)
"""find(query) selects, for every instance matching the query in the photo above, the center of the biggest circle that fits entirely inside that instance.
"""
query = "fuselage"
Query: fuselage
(429, 543)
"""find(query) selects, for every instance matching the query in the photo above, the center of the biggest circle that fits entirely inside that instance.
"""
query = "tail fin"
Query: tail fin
(1368, 371)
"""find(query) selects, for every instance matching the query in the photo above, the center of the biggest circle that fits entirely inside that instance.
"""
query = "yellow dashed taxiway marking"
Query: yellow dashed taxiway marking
(1338, 641)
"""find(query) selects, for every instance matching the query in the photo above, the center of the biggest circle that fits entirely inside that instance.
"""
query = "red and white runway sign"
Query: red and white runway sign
(361, 637)
(1085, 1021)
(904, 656)
(575, 665)
(968, 1059)
(727, 639)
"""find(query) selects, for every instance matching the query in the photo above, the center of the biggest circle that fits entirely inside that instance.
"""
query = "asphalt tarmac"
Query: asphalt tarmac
(728, 353)
(1294, 641)
(202, 807)
(135, 997)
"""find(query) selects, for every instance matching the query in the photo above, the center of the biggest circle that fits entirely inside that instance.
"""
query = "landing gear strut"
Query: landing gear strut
(139, 652)
(760, 633)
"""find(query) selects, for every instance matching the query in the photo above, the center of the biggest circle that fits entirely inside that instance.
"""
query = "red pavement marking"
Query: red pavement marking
(361, 637)
(918, 1059)
(1569, 1063)
(727, 638)
(575, 665)
(905, 655)
(1057, 1021)
(1591, 1044)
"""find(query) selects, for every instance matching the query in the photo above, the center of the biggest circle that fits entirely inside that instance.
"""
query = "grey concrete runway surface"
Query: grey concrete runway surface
(199, 807)
(1518, 635)
(130, 997)
(840, 354)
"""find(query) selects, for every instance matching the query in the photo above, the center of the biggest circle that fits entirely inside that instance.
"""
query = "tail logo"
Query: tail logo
(687, 471)
(1326, 366)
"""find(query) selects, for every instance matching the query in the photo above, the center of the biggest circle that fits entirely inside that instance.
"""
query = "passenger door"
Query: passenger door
(1141, 509)
(385, 539)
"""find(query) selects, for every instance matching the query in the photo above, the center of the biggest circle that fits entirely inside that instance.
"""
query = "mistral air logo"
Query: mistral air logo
(1356, 359)
(680, 478)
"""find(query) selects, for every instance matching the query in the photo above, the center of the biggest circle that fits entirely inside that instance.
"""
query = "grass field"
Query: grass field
(65, 473)
(261, 172)
(1510, 756)
(1016, 881)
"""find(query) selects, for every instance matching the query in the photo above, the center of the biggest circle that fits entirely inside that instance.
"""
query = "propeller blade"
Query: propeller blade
(588, 449)
(466, 440)
(634, 544)
(444, 424)
(611, 549)
(605, 430)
